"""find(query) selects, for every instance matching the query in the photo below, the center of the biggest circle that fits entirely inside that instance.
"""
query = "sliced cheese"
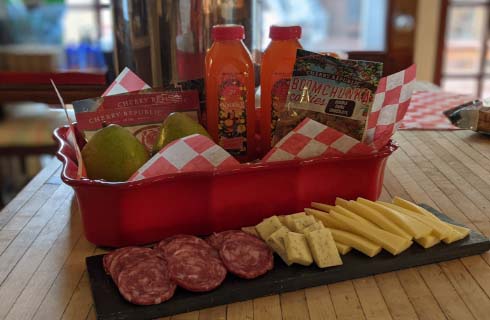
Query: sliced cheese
(414, 207)
(323, 248)
(428, 241)
(315, 226)
(324, 217)
(297, 249)
(341, 202)
(378, 219)
(251, 230)
(440, 228)
(453, 236)
(282, 219)
(342, 248)
(298, 224)
(390, 242)
(268, 226)
(277, 242)
(291, 217)
(321, 206)
(359, 243)
(464, 231)
(414, 227)
(348, 213)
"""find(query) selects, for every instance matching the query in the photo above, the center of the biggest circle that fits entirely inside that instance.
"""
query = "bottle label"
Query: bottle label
(279, 94)
(232, 115)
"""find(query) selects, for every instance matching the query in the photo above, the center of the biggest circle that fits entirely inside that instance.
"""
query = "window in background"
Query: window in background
(328, 25)
(466, 54)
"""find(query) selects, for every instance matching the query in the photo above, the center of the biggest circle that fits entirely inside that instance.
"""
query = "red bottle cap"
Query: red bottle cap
(228, 32)
(284, 33)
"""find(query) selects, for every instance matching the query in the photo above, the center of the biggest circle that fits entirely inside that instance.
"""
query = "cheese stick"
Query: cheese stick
(348, 213)
(359, 243)
(414, 227)
(428, 241)
(321, 206)
(324, 217)
(440, 228)
(378, 219)
(390, 242)
(342, 248)
(341, 202)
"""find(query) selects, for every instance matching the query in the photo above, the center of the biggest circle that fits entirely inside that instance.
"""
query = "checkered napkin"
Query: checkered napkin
(312, 139)
(191, 153)
(126, 81)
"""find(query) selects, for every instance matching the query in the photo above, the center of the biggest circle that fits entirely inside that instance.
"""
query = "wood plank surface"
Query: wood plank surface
(43, 250)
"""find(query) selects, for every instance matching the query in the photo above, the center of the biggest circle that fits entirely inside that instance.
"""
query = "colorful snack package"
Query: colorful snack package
(337, 93)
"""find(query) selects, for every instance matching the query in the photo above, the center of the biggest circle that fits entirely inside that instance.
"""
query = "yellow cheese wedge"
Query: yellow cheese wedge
(453, 236)
(378, 219)
(321, 206)
(324, 218)
(291, 217)
(277, 242)
(440, 228)
(298, 224)
(414, 227)
(315, 226)
(342, 248)
(428, 241)
(359, 243)
(268, 226)
(390, 242)
(323, 248)
(464, 231)
(341, 202)
(297, 249)
(348, 213)
(251, 230)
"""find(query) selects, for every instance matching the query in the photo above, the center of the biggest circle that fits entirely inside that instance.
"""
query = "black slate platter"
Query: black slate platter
(109, 304)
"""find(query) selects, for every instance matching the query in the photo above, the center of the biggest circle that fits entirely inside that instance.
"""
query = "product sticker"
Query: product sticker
(232, 118)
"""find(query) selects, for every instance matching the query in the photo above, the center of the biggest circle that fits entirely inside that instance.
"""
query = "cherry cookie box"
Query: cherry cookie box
(313, 162)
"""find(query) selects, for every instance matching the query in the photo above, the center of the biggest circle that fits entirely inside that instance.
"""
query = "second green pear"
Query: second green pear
(177, 125)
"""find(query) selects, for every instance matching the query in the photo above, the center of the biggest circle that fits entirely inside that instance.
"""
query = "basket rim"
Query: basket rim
(69, 166)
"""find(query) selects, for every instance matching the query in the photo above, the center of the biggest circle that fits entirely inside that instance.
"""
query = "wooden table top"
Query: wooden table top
(43, 250)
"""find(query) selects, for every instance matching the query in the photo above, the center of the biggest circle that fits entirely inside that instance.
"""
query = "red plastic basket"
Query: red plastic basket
(145, 211)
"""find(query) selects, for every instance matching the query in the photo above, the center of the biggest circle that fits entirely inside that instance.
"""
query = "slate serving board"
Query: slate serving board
(109, 304)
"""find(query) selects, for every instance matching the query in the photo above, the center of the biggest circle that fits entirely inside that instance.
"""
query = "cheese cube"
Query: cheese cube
(323, 248)
(276, 242)
(299, 224)
(251, 230)
(268, 226)
(291, 217)
(312, 227)
(297, 249)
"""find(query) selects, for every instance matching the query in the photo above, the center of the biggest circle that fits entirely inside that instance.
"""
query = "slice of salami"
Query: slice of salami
(146, 282)
(107, 259)
(196, 272)
(129, 256)
(216, 239)
(246, 256)
(190, 243)
(160, 245)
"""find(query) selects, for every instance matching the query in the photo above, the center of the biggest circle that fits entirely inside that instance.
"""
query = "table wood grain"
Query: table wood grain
(43, 250)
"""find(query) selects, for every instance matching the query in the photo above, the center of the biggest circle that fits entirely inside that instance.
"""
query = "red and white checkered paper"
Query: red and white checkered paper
(312, 139)
(126, 81)
(191, 153)
(426, 110)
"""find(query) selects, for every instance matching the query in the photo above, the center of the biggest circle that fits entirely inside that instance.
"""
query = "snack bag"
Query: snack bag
(337, 93)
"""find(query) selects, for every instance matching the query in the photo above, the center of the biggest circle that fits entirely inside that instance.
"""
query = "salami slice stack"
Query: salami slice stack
(141, 275)
(243, 254)
(193, 264)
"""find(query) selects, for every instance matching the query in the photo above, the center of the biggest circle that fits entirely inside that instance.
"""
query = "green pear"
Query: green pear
(113, 154)
(177, 125)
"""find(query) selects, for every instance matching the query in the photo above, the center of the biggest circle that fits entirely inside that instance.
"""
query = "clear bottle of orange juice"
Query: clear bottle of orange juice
(230, 85)
(276, 70)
